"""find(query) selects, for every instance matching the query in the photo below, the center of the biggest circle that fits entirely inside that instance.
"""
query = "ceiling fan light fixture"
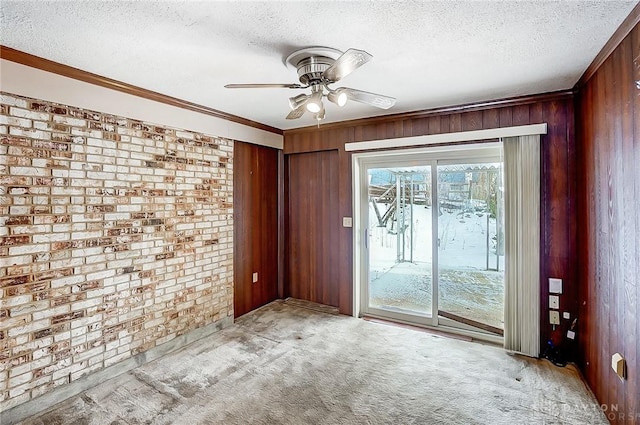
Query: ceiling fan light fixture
(313, 107)
(318, 68)
(297, 101)
(314, 104)
(339, 97)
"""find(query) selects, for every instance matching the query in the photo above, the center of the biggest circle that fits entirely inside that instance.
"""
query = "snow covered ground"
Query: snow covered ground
(466, 287)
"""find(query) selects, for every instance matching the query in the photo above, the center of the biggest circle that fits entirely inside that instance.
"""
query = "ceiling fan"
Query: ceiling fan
(318, 68)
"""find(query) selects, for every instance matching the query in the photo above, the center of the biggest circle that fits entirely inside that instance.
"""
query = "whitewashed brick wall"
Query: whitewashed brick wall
(115, 236)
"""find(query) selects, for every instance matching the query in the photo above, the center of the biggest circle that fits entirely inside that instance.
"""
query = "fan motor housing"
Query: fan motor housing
(311, 62)
(310, 69)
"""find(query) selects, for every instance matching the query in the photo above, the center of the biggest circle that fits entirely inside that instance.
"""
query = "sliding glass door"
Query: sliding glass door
(400, 266)
(471, 245)
(433, 249)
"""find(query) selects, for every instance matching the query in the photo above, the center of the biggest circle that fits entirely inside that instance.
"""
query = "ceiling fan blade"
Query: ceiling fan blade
(373, 99)
(297, 113)
(346, 64)
(265, 86)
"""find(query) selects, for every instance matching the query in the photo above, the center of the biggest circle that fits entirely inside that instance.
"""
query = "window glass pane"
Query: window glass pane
(400, 239)
(471, 245)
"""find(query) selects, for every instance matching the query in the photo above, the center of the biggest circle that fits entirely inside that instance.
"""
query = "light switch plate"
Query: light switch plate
(555, 285)
(554, 301)
(566, 315)
(554, 317)
(347, 222)
(255, 277)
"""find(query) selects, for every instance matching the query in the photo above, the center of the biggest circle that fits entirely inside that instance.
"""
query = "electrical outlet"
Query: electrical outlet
(347, 222)
(554, 301)
(554, 317)
(255, 277)
(619, 365)
(566, 315)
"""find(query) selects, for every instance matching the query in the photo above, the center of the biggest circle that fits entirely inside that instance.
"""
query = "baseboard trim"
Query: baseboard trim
(46, 401)
(310, 305)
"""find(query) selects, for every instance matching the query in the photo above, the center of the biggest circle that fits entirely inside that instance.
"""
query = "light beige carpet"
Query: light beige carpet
(286, 363)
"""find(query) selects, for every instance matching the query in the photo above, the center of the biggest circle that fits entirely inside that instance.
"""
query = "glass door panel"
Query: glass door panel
(400, 240)
(471, 246)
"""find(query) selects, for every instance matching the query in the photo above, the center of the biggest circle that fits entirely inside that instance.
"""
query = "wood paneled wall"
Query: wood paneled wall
(255, 215)
(558, 232)
(608, 124)
(311, 221)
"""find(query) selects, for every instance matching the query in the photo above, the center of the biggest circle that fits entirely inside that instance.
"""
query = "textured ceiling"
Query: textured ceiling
(426, 54)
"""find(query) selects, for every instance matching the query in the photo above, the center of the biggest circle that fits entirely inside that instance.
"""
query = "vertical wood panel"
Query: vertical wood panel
(323, 289)
(585, 239)
(254, 250)
(601, 243)
(242, 237)
(471, 121)
(299, 213)
(335, 245)
(535, 113)
(255, 214)
(312, 233)
(455, 123)
(419, 126)
(557, 188)
(490, 119)
(267, 285)
(612, 93)
(609, 229)
(506, 117)
(282, 223)
(521, 115)
(557, 212)
(370, 132)
(343, 285)
(398, 129)
(571, 303)
(358, 133)
(434, 125)
(385, 131)
(445, 124)
(634, 391)
(407, 128)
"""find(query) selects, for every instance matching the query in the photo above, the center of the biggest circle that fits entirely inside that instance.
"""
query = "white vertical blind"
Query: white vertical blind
(522, 244)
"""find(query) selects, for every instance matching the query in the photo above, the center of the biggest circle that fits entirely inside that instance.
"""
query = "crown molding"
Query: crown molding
(623, 30)
(47, 65)
(447, 110)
